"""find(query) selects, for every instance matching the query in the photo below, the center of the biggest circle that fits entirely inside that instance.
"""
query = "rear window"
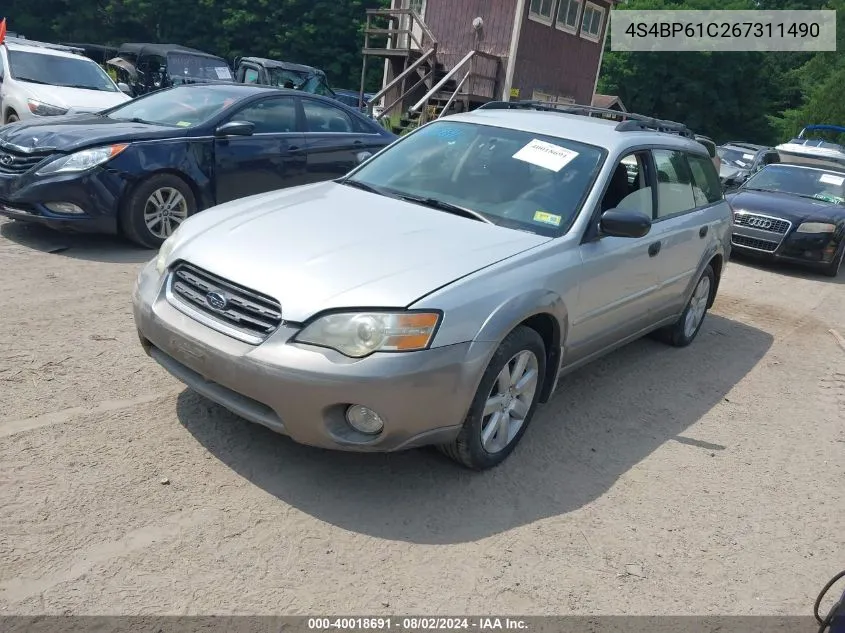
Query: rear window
(706, 186)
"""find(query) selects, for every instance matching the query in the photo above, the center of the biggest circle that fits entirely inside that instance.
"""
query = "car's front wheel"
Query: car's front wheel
(156, 208)
(504, 403)
(12, 117)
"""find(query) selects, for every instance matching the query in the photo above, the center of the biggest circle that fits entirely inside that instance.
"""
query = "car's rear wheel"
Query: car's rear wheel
(686, 328)
(832, 269)
(156, 208)
(504, 403)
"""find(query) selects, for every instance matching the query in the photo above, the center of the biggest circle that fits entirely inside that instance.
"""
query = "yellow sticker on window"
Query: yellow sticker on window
(184, 124)
(547, 218)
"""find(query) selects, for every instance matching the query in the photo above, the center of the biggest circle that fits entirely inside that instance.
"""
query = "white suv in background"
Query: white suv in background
(37, 80)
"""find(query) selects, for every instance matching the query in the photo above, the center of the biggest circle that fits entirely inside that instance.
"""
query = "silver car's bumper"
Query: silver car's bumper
(303, 392)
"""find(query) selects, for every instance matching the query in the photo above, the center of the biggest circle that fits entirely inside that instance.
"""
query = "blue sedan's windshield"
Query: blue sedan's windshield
(513, 178)
(180, 107)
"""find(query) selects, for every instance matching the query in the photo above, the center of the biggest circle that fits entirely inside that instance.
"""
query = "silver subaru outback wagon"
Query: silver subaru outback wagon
(436, 294)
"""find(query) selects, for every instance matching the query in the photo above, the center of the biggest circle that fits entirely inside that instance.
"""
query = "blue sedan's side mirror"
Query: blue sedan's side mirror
(236, 128)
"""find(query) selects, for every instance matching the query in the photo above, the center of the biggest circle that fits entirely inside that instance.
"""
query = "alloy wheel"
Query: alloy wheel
(164, 211)
(697, 306)
(509, 401)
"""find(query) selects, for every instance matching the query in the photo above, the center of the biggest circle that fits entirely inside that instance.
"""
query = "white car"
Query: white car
(37, 81)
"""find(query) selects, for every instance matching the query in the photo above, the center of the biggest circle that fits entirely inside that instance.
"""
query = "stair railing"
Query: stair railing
(400, 77)
(436, 88)
(454, 94)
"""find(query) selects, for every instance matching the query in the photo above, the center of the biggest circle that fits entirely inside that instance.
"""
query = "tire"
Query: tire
(12, 117)
(469, 449)
(832, 269)
(153, 198)
(686, 328)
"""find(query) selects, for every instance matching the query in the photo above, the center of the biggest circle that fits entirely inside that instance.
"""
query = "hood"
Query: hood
(73, 132)
(784, 205)
(76, 100)
(327, 246)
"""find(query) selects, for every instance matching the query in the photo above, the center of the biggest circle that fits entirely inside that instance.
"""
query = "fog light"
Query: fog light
(364, 420)
(64, 207)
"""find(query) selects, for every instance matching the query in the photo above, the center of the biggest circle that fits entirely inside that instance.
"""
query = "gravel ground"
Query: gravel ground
(706, 480)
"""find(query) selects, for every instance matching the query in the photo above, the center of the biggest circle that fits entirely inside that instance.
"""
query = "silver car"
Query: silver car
(436, 294)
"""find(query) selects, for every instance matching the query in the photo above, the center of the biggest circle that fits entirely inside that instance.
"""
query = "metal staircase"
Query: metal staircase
(425, 80)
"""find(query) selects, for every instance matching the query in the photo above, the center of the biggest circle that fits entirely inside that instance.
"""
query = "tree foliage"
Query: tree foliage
(322, 33)
(754, 96)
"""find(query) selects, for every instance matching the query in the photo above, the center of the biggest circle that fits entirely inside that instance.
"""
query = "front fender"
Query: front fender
(544, 310)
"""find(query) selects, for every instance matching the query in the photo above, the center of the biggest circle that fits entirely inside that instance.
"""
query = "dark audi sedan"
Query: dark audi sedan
(792, 213)
(141, 168)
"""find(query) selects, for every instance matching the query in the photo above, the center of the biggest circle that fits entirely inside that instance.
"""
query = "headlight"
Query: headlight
(816, 227)
(165, 250)
(81, 161)
(39, 108)
(359, 334)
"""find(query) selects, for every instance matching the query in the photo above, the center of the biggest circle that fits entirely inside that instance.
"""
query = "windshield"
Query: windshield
(286, 78)
(736, 157)
(184, 67)
(180, 107)
(801, 181)
(512, 178)
(56, 70)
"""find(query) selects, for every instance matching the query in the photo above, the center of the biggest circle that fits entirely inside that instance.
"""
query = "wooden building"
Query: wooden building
(549, 50)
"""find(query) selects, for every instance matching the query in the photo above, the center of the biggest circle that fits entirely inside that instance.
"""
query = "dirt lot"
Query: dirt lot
(658, 481)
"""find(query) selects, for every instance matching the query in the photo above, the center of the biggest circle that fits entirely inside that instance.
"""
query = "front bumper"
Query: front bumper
(97, 192)
(303, 391)
(809, 249)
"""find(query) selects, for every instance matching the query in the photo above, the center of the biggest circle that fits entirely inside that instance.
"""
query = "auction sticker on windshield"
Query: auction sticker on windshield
(830, 179)
(223, 73)
(546, 155)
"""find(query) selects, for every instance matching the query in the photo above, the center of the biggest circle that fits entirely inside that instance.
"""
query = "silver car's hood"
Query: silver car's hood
(328, 246)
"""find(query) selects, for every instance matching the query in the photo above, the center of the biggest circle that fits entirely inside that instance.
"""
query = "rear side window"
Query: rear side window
(706, 188)
(674, 183)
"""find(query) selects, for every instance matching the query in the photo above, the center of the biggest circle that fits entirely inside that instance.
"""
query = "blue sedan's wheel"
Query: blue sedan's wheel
(156, 208)
(504, 403)
(832, 270)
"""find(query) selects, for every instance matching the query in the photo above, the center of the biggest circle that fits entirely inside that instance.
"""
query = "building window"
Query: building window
(539, 95)
(541, 10)
(568, 13)
(592, 23)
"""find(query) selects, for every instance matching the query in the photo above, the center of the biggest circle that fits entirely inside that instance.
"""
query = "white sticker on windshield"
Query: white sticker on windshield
(741, 163)
(830, 179)
(546, 155)
(223, 73)
(748, 156)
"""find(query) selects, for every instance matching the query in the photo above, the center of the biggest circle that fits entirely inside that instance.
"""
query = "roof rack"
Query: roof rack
(628, 121)
(57, 47)
(746, 145)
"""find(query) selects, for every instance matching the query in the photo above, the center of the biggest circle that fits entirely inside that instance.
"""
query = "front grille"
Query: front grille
(245, 310)
(762, 222)
(750, 242)
(15, 162)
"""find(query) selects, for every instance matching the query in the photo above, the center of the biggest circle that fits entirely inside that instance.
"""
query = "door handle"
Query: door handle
(358, 142)
(653, 249)
(703, 231)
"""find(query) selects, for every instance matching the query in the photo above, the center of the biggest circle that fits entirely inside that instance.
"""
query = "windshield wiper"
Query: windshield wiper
(80, 86)
(363, 186)
(448, 207)
(34, 81)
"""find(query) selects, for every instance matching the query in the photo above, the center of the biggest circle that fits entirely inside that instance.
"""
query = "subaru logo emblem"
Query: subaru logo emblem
(5, 160)
(216, 301)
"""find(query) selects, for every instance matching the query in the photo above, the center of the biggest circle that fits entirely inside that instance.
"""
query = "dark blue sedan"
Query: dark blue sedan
(141, 168)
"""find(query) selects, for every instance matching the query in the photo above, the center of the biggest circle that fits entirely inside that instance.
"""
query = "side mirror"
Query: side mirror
(621, 223)
(360, 157)
(124, 88)
(236, 128)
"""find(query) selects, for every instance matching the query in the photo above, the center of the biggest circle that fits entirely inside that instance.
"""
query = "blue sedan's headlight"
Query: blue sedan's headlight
(82, 160)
